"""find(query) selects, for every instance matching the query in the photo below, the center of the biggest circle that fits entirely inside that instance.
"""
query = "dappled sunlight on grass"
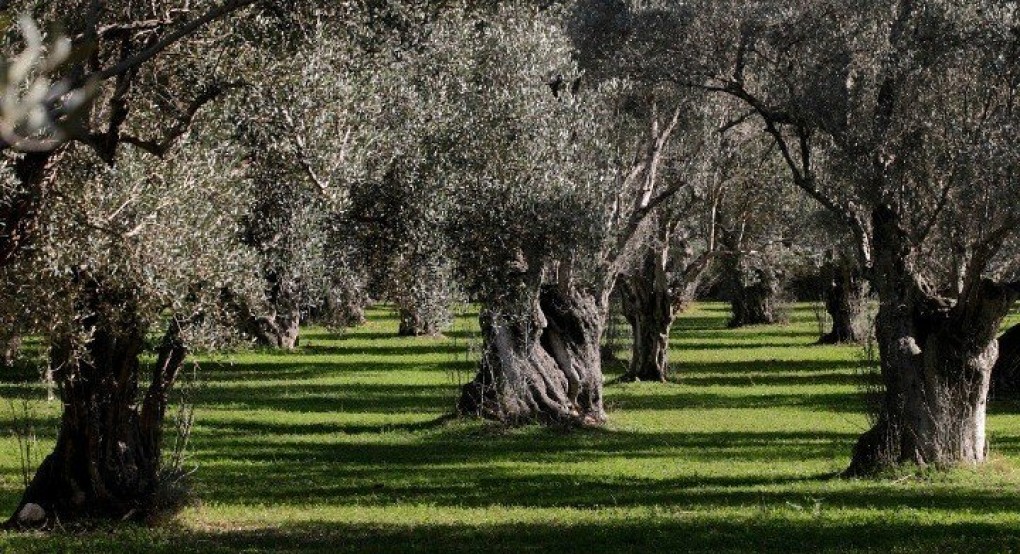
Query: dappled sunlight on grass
(341, 446)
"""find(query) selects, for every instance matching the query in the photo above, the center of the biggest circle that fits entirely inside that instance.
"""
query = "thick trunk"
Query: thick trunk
(277, 330)
(415, 324)
(755, 303)
(107, 456)
(753, 291)
(1006, 373)
(844, 301)
(344, 310)
(936, 363)
(280, 327)
(649, 308)
(541, 360)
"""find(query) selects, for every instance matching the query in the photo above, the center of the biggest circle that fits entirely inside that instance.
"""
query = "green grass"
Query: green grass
(336, 448)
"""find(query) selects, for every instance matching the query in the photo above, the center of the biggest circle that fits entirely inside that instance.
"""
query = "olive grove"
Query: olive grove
(237, 170)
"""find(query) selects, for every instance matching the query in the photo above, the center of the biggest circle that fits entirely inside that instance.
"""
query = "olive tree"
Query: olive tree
(759, 226)
(397, 223)
(545, 192)
(838, 280)
(93, 255)
(895, 116)
(147, 244)
(677, 242)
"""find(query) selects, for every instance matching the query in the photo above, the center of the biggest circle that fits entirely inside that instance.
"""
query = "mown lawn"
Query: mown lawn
(337, 448)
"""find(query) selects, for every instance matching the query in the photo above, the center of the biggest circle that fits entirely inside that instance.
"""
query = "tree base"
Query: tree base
(542, 366)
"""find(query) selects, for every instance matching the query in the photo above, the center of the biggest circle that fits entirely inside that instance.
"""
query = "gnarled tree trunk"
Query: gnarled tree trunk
(281, 326)
(648, 307)
(652, 296)
(540, 358)
(757, 302)
(936, 362)
(107, 456)
(844, 301)
(415, 324)
(280, 329)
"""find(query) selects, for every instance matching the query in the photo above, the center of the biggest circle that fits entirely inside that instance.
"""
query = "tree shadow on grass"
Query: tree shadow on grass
(331, 398)
(394, 350)
(680, 344)
(317, 368)
(678, 532)
(827, 402)
(762, 373)
(450, 468)
(756, 367)
(750, 334)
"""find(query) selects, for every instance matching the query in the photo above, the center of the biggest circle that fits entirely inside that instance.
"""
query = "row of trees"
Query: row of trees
(247, 167)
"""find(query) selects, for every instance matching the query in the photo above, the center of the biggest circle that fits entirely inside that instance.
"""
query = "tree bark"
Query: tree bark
(755, 303)
(541, 358)
(281, 326)
(1006, 373)
(936, 362)
(649, 310)
(844, 301)
(280, 329)
(107, 456)
(414, 324)
(662, 286)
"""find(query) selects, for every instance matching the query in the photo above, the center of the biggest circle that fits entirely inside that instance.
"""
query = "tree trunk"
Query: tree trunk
(936, 363)
(1006, 373)
(280, 329)
(541, 359)
(755, 303)
(414, 324)
(648, 307)
(107, 456)
(844, 301)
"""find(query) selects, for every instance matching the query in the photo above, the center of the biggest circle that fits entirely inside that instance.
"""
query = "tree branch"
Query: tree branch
(228, 7)
(159, 147)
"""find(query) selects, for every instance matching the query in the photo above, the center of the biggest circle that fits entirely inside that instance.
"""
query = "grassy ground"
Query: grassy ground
(335, 448)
